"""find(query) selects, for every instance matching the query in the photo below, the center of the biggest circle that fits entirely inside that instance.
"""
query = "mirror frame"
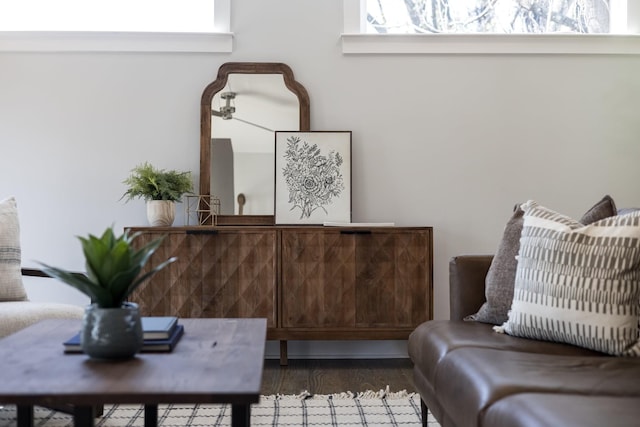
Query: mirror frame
(205, 125)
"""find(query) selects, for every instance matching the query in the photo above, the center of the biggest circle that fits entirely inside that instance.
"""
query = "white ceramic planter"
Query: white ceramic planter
(161, 213)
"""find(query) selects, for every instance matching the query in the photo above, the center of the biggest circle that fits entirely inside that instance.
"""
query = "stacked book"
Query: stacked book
(161, 334)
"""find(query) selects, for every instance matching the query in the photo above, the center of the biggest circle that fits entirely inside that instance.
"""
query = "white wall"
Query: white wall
(451, 141)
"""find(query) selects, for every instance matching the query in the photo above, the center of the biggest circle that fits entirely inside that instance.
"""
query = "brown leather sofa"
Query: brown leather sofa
(468, 375)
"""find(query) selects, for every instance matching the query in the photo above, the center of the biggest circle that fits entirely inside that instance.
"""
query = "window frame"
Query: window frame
(220, 41)
(356, 41)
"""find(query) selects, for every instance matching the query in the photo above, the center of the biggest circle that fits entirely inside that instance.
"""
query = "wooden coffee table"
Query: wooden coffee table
(216, 361)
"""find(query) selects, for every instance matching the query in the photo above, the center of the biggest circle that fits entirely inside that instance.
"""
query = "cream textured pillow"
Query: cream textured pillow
(578, 284)
(502, 272)
(11, 288)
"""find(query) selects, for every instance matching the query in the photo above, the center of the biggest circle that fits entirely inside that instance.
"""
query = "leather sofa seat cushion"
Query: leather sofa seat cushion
(427, 393)
(431, 341)
(544, 410)
(469, 380)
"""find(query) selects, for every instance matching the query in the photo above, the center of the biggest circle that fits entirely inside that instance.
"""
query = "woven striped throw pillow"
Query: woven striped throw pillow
(578, 284)
(11, 287)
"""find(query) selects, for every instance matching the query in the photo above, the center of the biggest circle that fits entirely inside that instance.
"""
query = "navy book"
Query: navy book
(72, 345)
(158, 327)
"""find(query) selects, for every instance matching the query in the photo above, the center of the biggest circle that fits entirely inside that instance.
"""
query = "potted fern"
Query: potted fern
(160, 188)
(111, 326)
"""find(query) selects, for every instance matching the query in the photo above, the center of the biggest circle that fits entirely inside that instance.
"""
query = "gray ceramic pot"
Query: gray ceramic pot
(111, 333)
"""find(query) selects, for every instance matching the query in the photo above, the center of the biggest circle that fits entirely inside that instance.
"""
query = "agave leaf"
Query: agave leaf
(126, 283)
(121, 259)
(121, 282)
(106, 257)
(120, 285)
(142, 255)
(148, 275)
(113, 267)
(96, 255)
(78, 281)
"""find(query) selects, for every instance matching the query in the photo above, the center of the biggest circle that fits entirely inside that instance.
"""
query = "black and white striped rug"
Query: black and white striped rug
(347, 409)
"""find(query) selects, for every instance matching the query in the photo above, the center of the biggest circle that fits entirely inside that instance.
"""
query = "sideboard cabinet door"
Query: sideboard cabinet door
(218, 273)
(364, 279)
(238, 273)
(171, 291)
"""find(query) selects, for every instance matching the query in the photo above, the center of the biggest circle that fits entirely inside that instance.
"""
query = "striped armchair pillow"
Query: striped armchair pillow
(11, 287)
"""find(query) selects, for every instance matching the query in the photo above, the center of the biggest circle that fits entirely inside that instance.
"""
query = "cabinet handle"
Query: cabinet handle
(355, 231)
(202, 231)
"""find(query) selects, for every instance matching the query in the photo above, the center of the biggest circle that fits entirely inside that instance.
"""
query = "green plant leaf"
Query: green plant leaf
(149, 274)
(142, 255)
(113, 267)
(80, 282)
(149, 183)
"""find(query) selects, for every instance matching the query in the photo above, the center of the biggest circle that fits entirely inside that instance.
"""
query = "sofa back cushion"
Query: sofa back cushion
(578, 284)
(11, 287)
(500, 279)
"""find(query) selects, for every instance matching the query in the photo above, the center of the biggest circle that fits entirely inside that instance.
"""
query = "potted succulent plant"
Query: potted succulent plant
(160, 188)
(111, 326)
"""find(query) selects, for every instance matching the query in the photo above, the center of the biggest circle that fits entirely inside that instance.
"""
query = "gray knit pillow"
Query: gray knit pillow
(502, 272)
(578, 284)
(11, 288)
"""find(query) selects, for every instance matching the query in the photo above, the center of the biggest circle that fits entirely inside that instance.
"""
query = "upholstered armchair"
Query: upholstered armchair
(16, 311)
(16, 315)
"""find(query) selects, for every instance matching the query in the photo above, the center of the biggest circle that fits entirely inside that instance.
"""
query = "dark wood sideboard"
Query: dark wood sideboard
(309, 282)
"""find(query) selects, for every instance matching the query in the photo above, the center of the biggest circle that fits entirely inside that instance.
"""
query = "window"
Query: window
(108, 15)
(491, 16)
(115, 25)
(492, 26)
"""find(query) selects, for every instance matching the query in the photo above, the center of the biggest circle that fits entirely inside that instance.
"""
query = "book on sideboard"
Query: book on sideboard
(72, 345)
(158, 327)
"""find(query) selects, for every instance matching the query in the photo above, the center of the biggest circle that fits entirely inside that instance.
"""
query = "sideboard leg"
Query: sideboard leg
(283, 353)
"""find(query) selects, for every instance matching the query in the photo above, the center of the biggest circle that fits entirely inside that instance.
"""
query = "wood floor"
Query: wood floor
(336, 375)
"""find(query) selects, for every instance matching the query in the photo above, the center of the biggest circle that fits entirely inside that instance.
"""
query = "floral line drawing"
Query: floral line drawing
(313, 179)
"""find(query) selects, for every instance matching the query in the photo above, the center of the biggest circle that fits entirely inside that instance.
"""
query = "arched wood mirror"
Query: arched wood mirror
(240, 111)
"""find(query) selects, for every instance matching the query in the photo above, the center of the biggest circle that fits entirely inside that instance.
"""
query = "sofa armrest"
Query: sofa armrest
(466, 284)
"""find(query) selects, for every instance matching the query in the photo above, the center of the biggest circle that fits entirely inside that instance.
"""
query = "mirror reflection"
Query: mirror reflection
(245, 114)
(239, 112)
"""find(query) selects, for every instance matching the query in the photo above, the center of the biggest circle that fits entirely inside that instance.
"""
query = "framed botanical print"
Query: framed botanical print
(313, 177)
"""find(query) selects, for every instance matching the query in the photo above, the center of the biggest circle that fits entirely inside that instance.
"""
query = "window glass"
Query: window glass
(193, 16)
(491, 16)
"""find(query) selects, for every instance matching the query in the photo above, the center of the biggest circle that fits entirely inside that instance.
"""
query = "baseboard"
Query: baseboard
(368, 349)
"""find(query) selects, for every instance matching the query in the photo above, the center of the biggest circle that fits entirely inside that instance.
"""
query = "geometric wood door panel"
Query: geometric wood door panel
(392, 279)
(318, 279)
(170, 292)
(363, 279)
(237, 271)
(221, 274)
